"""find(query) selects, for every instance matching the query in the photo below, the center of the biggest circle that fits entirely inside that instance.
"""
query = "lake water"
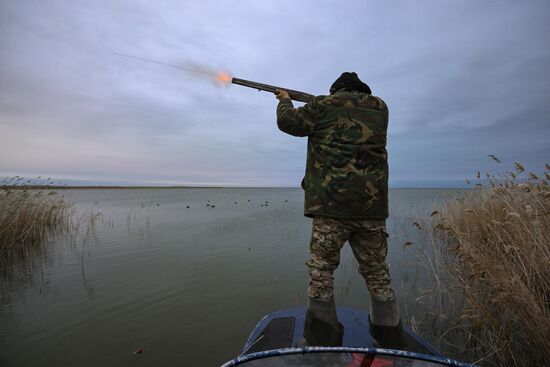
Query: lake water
(162, 271)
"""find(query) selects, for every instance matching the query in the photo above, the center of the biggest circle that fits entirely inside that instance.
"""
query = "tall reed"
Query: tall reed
(494, 248)
(29, 215)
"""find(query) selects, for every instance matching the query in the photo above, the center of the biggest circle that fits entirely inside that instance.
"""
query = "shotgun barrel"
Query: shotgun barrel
(294, 94)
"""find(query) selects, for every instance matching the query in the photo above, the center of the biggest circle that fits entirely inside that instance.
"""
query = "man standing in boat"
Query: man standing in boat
(346, 194)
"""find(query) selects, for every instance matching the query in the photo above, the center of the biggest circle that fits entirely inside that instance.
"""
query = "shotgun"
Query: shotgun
(294, 94)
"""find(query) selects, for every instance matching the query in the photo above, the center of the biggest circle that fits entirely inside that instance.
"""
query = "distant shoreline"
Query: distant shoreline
(80, 187)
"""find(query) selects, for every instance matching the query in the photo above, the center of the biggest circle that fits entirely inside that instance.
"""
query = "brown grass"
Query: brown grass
(493, 247)
(29, 217)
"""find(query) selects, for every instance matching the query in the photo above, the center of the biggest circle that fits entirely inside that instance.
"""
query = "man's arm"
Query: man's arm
(294, 121)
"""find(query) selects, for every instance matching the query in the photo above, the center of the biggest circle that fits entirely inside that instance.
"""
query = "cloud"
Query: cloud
(460, 85)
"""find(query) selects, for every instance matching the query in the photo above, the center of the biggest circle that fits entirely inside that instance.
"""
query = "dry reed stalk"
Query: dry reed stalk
(498, 240)
(28, 216)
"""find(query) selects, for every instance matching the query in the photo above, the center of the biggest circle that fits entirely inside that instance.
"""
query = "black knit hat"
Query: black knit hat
(349, 81)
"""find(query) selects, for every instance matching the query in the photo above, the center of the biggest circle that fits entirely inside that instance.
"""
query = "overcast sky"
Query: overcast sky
(463, 79)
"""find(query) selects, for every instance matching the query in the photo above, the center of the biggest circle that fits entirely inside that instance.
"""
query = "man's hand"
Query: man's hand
(281, 94)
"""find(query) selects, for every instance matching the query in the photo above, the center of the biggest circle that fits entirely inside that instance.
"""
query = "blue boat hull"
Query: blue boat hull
(284, 329)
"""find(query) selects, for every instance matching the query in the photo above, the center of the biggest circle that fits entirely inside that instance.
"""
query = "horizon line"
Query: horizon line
(106, 187)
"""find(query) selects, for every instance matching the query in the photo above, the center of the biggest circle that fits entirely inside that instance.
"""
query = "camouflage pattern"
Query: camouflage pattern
(346, 171)
(368, 241)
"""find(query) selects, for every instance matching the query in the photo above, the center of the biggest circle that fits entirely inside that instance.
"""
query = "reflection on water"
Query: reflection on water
(183, 274)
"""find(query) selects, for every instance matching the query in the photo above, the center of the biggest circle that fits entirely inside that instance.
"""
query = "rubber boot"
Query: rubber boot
(385, 324)
(321, 327)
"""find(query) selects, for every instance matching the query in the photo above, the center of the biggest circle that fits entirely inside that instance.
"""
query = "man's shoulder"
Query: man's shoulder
(352, 99)
(378, 102)
(336, 99)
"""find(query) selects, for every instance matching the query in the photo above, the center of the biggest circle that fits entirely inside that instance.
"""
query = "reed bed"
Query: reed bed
(492, 271)
(29, 216)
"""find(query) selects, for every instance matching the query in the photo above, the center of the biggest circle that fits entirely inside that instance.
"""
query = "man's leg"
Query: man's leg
(327, 238)
(321, 325)
(370, 248)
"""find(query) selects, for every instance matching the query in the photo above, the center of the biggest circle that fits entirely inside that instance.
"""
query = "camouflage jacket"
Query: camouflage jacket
(346, 170)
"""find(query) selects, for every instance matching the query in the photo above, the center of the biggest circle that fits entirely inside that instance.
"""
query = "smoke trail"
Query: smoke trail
(218, 76)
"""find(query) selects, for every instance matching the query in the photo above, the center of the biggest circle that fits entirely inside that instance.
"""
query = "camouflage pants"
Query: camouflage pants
(368, 242)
